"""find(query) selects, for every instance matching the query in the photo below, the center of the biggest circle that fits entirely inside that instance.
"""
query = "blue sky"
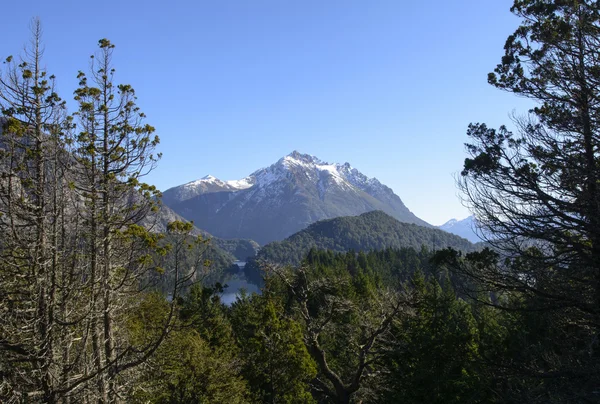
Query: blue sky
(232, 86)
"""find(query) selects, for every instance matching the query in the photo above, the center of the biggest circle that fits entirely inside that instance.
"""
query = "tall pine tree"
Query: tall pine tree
(536, 192)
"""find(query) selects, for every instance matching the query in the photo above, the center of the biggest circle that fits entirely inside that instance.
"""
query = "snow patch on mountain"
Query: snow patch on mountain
(466, 228)
(451, 223)
(210, 180)
(342, 175)
(278, 200)
(240, 184)
(296, 164)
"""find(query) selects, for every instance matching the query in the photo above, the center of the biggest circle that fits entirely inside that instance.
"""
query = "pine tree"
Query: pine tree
(275, 360)
(536, 191)
(432, 357)
(187, 367)
(74, 256)
(113, 150)
(31, 223)
(345, 321)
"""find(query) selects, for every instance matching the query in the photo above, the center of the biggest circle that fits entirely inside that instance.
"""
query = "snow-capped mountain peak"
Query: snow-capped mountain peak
(275, 201)
(240, 184)
(295, 164)
(210, 180)
(206, 184)
(300, 165)
(466, 228)
(343, 175)
(301, 158)
(450, 223)
(203, 182)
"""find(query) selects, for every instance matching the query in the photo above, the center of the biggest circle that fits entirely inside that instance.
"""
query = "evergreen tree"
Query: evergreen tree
(112, 149)
(74, 257)
(276, 362)
(433, 355)
(536, 191)
(344, 320)
(33, 244)
(202, 309)
(186, 368)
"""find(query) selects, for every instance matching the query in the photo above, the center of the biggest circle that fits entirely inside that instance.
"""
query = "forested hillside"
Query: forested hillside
(369, 231)
(97, 306)
(318, 334)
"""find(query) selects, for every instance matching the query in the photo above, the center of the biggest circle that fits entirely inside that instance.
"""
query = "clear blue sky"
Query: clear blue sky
(231, 86)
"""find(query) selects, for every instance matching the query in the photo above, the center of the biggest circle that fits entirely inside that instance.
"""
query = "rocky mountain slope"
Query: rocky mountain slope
(274, 202)
(235, 249)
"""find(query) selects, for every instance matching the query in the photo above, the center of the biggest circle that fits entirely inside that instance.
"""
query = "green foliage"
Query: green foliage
(276, 362)
(148, 313)
(208, 262)
(241, 249)
(187, 370)
(369, 231)
(187, 367)
(536, 191)
(345, 312)
(202, 309)
(434, 355)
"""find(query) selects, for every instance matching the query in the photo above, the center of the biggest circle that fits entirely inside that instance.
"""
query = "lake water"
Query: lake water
(235, 284)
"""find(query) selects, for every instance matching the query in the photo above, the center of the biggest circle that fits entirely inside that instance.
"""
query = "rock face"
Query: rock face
(274, 202)
(465, 228)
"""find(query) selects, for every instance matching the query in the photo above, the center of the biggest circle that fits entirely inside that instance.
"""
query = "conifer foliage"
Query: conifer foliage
(536, 191)
(74, 259)
(86, 314)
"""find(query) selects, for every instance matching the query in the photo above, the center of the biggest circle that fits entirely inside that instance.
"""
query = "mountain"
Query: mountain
(221, 253)
(232, 249)
(465, 228)
(207, 184)
(274, 202)
(369, 231)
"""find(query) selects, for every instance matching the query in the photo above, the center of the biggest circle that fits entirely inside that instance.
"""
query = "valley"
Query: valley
(129, 276)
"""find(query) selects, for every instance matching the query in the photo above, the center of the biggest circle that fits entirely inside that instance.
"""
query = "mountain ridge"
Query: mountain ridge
(466, 228)
(374, 230)
(283, 198)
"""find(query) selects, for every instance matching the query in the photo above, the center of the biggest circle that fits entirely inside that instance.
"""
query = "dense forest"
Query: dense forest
(370, 231)
(95, 307)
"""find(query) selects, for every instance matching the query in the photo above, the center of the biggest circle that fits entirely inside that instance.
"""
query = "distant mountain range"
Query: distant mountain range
(466, 228)
(369, 231)
(275, 202)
